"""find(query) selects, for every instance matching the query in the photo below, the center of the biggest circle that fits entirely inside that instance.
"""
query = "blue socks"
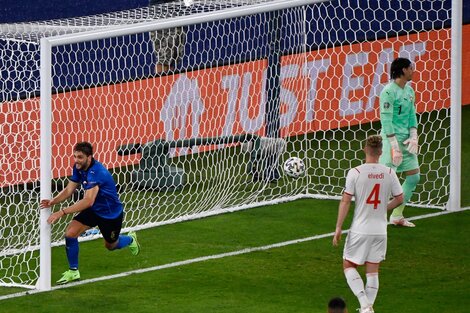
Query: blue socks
(124, 241)
(71, 248)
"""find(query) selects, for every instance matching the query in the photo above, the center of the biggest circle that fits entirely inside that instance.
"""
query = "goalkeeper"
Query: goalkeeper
(399, 131)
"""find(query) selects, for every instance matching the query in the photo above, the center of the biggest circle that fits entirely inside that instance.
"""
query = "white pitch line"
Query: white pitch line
(206, 258)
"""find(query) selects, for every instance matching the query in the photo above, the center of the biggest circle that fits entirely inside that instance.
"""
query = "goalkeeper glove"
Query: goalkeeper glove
(412, 141)
(397, 156)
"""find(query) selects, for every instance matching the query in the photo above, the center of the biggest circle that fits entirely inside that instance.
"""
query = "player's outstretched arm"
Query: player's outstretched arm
(87, 201)
(63, 195)
(83, 204)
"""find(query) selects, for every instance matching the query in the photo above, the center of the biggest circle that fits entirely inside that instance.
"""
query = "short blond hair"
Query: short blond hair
(374, 143)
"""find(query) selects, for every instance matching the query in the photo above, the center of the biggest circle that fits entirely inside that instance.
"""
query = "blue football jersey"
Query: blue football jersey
(107, 203)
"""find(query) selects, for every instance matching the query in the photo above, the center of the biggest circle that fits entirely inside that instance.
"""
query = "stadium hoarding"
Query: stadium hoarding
(343, 85)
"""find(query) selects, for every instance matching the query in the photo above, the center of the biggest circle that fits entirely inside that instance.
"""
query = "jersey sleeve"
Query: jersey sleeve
(351, 178)
(396, 186)
(413, 121)
(386, 111)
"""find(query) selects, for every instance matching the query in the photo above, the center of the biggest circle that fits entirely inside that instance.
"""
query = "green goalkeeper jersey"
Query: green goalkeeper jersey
(397, 111)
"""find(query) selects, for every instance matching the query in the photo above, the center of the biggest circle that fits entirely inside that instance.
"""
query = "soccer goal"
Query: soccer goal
(245, 86)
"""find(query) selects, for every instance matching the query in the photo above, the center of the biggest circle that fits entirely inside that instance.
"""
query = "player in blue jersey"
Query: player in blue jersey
(100, 207)
(400, 132)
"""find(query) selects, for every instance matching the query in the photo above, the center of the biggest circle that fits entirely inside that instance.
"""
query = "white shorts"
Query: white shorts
(360, 248)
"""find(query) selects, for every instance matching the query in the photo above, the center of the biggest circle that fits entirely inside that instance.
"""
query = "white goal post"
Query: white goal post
(260, 81)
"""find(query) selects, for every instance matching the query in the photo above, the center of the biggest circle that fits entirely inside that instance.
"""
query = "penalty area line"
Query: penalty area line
(204, 258)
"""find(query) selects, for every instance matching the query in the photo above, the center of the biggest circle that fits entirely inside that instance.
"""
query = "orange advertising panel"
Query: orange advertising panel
(320, 90)
(345, 82)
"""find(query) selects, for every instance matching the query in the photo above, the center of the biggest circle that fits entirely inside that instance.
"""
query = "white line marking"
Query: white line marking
(205, 258)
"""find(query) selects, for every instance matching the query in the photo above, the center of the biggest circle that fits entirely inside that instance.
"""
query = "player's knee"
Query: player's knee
(110, 245)
(71, 233)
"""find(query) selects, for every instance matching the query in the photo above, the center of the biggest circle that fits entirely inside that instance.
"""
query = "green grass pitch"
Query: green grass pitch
(426, 270)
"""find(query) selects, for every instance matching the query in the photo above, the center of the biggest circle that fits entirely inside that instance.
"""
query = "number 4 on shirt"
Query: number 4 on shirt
(373, 197)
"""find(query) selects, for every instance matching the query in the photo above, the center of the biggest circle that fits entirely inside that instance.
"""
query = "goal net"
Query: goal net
(196, 118)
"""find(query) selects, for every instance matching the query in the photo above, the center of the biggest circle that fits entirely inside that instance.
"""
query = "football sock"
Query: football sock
(71, 249)
(372, 286)
(409, 185)
(123, 242)
(357, 286)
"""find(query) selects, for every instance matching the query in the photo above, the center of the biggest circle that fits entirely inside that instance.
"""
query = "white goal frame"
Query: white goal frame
(46, 45)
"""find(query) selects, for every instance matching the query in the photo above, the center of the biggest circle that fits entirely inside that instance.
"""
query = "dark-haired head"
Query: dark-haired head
(337, 305)
(85, 147)
(397, 66)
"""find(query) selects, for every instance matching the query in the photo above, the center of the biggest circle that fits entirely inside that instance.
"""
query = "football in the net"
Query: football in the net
(294, 167)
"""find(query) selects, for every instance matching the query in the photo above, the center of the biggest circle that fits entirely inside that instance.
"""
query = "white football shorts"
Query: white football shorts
(360, 248)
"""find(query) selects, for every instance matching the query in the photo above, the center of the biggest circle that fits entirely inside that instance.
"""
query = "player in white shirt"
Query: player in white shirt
(372, 184)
